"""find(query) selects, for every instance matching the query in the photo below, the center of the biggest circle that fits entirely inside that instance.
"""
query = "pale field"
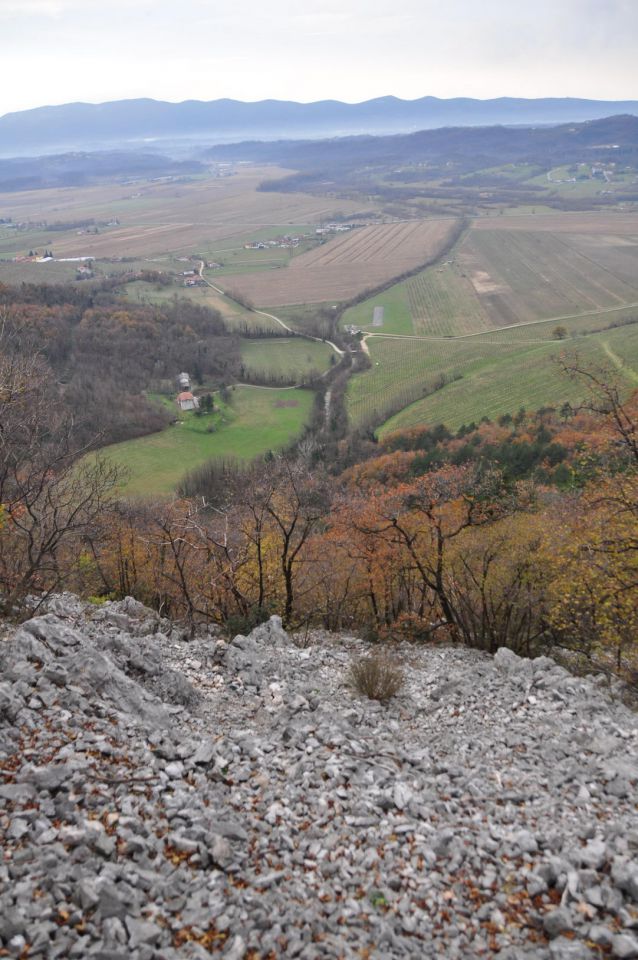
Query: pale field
(157, 218)
(602, 222)
(234, 315)
(346, 266)
(520, 276)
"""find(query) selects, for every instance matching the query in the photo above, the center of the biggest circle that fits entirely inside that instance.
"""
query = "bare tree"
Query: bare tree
(49, 497)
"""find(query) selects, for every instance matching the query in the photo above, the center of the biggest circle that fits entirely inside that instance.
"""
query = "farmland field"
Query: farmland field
(443, 303)
(520, 276)
(439, 302)
(37, 272)
(496, 278)
(599, 223)
(498, 373)
(284, 357)
(158, 218)
(396, 311)
(404, 368)
(312, 318)
(527, 378)
(234, 315)
(257, 419)
(345, 267)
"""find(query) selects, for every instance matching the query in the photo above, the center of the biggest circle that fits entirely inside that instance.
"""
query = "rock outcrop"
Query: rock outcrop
(163, 799)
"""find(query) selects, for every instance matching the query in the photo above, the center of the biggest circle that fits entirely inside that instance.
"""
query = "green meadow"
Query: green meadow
(487, 375)
(254, 421)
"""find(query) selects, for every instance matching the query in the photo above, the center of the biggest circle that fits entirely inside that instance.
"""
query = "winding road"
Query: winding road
(271, 316)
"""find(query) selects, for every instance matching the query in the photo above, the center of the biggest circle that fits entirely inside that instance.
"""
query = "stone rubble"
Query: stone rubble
(162, 799)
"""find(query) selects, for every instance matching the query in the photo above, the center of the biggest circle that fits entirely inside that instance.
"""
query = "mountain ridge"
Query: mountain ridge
(82, 125)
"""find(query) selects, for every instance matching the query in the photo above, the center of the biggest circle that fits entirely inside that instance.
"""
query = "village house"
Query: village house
(187, 401)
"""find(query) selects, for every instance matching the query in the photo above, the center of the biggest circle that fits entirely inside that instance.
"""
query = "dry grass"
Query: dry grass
(603, 223)
(520, 276)
(158, 218)
(346, 266)
(376, 677)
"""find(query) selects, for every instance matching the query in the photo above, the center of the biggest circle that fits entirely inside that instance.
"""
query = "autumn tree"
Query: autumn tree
(423, 519)
(594, 587)
(288, 506)
(49, 497)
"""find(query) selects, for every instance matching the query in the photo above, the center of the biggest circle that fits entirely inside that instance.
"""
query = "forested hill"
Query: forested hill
(82, 169)
(613, 139)
(107, 354)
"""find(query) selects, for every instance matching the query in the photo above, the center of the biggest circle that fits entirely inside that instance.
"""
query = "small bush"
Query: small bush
(376, 678)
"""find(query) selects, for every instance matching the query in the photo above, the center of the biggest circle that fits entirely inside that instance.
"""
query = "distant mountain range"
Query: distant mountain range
(180, 126)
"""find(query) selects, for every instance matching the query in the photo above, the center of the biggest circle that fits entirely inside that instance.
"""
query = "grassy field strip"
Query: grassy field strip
(397, 315)
(514, 326)
(288, 358)
(619, 363)
(256, 420)
(521, 378)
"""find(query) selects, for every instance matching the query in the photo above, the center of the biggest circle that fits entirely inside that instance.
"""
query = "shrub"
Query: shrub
(376, 677)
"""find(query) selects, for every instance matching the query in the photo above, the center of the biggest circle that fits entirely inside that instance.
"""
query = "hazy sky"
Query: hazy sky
(57, 51)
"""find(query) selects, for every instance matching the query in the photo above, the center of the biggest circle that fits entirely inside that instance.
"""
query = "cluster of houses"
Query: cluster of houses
(334, 228)
(190, 278)
(288, 240)
(285, 241)
(9, 224)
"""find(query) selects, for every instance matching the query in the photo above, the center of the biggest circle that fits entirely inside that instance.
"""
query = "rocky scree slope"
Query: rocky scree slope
(163, 799)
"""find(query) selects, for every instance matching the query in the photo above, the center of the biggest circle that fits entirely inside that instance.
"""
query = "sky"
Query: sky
(60, 51)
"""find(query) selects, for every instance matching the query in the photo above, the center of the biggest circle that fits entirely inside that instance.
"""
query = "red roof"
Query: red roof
(185, 396)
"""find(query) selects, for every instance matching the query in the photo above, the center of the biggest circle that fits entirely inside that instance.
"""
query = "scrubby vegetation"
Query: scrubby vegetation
(376, 677)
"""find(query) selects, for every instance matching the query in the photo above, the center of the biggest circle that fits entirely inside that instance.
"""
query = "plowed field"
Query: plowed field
(348, 265)
(520, 276)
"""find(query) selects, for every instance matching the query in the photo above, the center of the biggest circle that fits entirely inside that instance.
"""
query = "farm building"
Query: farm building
(186, 401)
